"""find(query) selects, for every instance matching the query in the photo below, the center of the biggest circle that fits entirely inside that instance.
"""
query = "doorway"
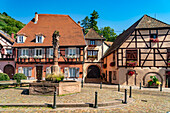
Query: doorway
(39, 72)
(9, 70)
(110, 76)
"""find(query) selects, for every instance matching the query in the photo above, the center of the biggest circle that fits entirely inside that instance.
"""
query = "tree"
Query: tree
(86, 24)
(93, 22)
(4, 13)
(108, 33)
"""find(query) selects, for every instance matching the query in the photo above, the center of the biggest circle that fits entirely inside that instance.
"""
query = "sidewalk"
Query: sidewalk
(126, 87)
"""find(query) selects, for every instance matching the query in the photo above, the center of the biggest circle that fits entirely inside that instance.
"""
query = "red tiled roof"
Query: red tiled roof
(70, 32)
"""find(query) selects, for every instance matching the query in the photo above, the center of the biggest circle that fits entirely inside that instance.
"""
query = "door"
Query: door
(9, 70)
(110, 76)
(93, 72)
(168, 81)
(39, 72)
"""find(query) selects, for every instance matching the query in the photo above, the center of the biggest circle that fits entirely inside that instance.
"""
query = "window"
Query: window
(72, 72)
(24, 53)
(39, 39)
(154, 36)
(92, 54)
(27, 71)
(51, 52)
(92, 42)
(38, 52)
(114, 75)
(131, 58)
(9, 51)
(20, 39)
(72, 51)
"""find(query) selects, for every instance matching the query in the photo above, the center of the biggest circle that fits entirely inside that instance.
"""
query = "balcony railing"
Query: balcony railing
(6, 57)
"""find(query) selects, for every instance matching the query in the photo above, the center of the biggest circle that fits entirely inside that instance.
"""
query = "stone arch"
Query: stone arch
(9, 69)
(93, 71)
(144, 77)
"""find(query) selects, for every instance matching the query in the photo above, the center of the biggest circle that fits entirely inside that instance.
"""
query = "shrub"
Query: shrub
(54, 78)
(19, 76)
(4, 77)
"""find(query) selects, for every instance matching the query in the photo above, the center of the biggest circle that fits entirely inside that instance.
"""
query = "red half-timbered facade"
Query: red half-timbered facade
(144, 49)
(34, 47)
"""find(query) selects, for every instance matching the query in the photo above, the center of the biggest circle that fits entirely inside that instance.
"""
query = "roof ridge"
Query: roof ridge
(53, 14)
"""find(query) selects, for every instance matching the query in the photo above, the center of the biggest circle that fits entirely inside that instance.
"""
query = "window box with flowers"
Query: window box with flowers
(131, 72)
(131, 63)
(154, 38)
(169, 63)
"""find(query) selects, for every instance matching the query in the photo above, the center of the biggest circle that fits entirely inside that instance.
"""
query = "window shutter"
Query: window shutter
(77, 52)
(47, 53)
(43, 53)
(19, 69)
(36, 39)
(48, 70)
(30, 71)
(66, 72)
(66, 52)
(77, 72)
(19, 52)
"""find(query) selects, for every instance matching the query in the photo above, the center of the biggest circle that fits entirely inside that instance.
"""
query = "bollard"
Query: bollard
(95, 106)
(81, 83)
(54, 104)
(101, 85)
(118, 87)
(130, 95)
(125, 102)
(160, 87)
(140, 86)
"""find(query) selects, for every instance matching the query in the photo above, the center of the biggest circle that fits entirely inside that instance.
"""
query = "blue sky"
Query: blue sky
(118, 14)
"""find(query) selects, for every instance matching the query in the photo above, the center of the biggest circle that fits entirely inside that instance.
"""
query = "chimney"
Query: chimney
(36, 18)
(12, 35)
(78, 23)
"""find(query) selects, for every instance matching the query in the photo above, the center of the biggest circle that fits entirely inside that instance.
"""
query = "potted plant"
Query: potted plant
(153, 82)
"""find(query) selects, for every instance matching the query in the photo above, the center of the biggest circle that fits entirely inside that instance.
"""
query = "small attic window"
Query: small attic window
(39, 39)
(20, 39)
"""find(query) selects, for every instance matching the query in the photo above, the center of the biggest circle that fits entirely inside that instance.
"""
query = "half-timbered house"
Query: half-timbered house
(34, 47)
(7, 64)
(138, 53)
(93, 53)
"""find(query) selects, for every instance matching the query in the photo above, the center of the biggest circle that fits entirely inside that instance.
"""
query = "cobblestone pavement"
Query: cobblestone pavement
(86, 96)
(144, 101)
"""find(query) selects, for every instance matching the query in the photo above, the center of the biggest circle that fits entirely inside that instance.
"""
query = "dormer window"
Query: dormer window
(39, 39)
(20, 39)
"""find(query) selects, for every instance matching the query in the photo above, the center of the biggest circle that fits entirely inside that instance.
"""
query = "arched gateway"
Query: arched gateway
(93, 71)
(9, 69)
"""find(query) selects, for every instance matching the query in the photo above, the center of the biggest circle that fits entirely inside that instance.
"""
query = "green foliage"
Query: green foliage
(154, 81)
(4, 77)
(9, 25)
(108, 33)
(86, 24)
(19, 76)
(54, 78)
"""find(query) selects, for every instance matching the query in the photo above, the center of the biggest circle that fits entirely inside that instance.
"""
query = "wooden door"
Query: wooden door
(39, 72)
(110, 76)
(9, 70)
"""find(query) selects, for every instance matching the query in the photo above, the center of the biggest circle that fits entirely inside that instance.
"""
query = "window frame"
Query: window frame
(72, 71)
(134, 59)
(35, 54)
(92, 53)
(92, 42)
(71, 53)
(10, 51)
(24, 53)
(38, 37)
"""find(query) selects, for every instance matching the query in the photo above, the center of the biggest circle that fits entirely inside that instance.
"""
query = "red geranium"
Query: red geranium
(131, 73)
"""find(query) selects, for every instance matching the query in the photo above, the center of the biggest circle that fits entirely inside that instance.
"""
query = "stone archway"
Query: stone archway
(152, 74)
(9, 70)
(93, 71)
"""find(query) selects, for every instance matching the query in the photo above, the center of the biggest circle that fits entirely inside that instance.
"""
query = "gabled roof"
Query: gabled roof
(92, 34)
(7, 37)
(108, 43)
(71, 33)
(146, 22)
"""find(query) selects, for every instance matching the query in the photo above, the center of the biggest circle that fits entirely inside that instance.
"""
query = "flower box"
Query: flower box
(153, 83)
(92, 45)
(168, 63)
(154, 40)
(131, 63)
